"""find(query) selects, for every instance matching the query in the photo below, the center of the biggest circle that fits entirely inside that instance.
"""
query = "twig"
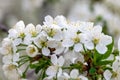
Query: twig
(3, 28)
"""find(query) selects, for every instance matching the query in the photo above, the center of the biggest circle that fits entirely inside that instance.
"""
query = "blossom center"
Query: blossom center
(76, 40)
(33, 33)
(96, 40)
(11, 67)
(32, 50)
(52, 33)
(43, 43)
(22, 35)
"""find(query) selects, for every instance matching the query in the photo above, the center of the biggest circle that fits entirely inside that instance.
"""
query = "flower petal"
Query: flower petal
(78, 47)
(105, 39)
(67, 43)
(119, 44)
(59, 72)
(89, 45)
(51, 71)
(74, 73)
(7, 59)
(107, 75)
(48, 20)
(59, 50)
(97, 29)
(54, 59)
(83, 77)
(101, 48)
(61, 61)
(45, 51)
(16, 57)
(66, 75)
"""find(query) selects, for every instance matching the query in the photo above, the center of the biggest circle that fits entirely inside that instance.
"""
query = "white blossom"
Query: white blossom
(18, 30)
(32, 51)
(107, 75)
(56, 67)
(32, 30)
(116, 68)
(57, 48)
(98, 39)
(10, 71)
(41, 42)
(74, 74)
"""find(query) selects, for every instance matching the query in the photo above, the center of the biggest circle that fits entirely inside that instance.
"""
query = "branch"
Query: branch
(3, 28)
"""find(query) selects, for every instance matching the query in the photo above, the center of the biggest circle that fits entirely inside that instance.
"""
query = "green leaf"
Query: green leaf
(43, 65)
(105, 62)
(99, 57)
(32, 66)
(37, 70)
(107, 68)
(110, 48)
(42, 74)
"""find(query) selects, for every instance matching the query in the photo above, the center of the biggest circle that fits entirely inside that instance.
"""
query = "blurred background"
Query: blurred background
(103, 12)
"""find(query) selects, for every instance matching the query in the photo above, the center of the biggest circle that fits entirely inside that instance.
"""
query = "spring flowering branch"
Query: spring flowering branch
(60, 50)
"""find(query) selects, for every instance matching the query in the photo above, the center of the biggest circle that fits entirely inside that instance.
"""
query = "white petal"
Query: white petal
(20, 25)
(48, 78)
(89, 45)
(118, 58)
(59, 50)
(37, 42)
(97, 29)
(78, 47)
(30, 27)
(83, 78)
(13, 33)
(107, 75)
(7, 59)
(86, 26)
(51, 71)
(61, 21)
(116, 65)
(66, 75)
(59, 72)
(74, 73)
(31, 50)
(111, 57)
(67, 43)
(58, 36)
(45, 51)
(70, 55)
(54, 59)
(105, 39)
(17, 41)
(1, 51)
(101, 48)
(27, 40)
(38, 28)
(16, 57)
(119, 44)
(73, 60)
(48, 20)
(52, 44)
(61, 61)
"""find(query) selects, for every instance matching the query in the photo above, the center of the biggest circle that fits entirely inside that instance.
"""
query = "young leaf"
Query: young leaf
(99, 57)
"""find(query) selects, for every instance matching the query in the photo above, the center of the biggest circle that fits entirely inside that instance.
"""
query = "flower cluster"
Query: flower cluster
(60, 50)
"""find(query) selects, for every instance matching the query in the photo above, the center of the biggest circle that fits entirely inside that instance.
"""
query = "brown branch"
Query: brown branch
(3, 28)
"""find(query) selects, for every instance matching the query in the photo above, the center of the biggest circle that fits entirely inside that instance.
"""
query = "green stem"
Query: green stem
(24, 73)
(84, 49)
(23, 63)
(41, 76)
